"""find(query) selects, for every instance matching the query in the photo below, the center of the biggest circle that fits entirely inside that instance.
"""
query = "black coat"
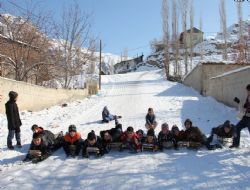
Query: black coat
(48, 137)
(105, 114)
(46, 151)
(247, 105)
(115, 134)
(98, 145)
(12, 113)
(150, 119)
(220, 132)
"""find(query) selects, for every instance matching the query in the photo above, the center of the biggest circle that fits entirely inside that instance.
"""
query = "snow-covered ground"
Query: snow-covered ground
(130, 95)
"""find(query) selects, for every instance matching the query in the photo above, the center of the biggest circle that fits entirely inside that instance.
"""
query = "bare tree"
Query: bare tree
(175, 43)
(76, 47)
(24, 44)
(191, 14)
(223, 21)
(184, 9)
(201, 48)
(165, 27)
(241, 45)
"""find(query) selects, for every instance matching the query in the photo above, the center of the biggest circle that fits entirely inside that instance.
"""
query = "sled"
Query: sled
(168, 145)
(189, 144)
(93, 150)
(115, 145)
(35, 153)
(225, 141)
(146, 146)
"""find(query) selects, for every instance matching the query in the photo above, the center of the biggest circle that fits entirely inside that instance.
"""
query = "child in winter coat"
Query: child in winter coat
(72, 142)
(54, 141)
(38, 150)
(107, 116)
(130, 139)
(151, 140)
(141, 136)
(150, 119)
(14, 121)
(165, 137)
(223, 131)
(244, 122)
(111, 136)
(92, 141)
(193, 134)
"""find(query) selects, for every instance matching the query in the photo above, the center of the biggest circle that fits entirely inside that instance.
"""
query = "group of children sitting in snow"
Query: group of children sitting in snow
(44, 142)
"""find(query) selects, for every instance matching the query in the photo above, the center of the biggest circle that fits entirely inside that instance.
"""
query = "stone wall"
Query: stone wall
(224, 88)
(34, 98)
(206, 79)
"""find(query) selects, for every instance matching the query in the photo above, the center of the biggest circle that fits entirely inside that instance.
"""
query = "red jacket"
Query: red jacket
(134, 139)
(72, 140)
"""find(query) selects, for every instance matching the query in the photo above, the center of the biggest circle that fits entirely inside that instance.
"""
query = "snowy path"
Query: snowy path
(130, 95)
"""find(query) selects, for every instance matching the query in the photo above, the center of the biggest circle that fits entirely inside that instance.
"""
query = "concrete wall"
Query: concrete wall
(213, 70)
(226, 87)
(199, 77)
(34, 98)
(193, 79)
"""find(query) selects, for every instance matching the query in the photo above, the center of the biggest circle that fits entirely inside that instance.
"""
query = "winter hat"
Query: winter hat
(150, 109)
(91, 136)
(118, 126)
(72, 128)
(130, 129)
(37, 135)
(227, 124)
(164, 125)
(13, 95)
(188, 121)
(175, 128)
(248, 87)
(151, 132)
(140, 131)
(34, 127)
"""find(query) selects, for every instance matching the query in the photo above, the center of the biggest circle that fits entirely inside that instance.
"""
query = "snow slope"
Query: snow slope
(130, 95)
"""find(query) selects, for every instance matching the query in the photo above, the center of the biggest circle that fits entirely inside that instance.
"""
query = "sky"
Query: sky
(132, 24)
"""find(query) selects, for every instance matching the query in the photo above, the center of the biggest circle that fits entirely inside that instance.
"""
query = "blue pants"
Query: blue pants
(245, 122)
(11, 135)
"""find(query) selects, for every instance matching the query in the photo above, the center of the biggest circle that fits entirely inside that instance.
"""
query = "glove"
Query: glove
(36, 160)
(237, 100)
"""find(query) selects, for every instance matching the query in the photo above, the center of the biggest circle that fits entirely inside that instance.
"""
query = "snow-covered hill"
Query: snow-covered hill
(130, 95)
(211, 47)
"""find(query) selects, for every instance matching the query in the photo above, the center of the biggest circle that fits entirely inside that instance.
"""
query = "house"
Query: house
(191, 37)
(128, 65)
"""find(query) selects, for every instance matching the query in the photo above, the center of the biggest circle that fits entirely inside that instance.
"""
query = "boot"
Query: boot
(11, 147)
(19, 145)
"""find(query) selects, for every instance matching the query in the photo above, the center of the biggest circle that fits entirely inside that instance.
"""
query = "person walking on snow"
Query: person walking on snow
(14, 121)
(244, 122)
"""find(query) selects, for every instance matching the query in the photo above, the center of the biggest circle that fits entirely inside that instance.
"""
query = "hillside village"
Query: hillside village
(43, 56)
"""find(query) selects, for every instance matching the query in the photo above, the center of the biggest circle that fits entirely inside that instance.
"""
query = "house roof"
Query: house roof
(195, 30)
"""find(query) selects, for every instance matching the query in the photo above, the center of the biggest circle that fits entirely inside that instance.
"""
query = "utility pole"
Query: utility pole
(100, 65)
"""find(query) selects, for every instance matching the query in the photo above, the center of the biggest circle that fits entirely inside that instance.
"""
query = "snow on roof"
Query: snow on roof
(232, 72)
(195, 30)
(216, 62)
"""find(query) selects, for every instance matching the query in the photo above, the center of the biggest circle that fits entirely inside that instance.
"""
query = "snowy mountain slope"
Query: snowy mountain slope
(130, 95)
(211, 47)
